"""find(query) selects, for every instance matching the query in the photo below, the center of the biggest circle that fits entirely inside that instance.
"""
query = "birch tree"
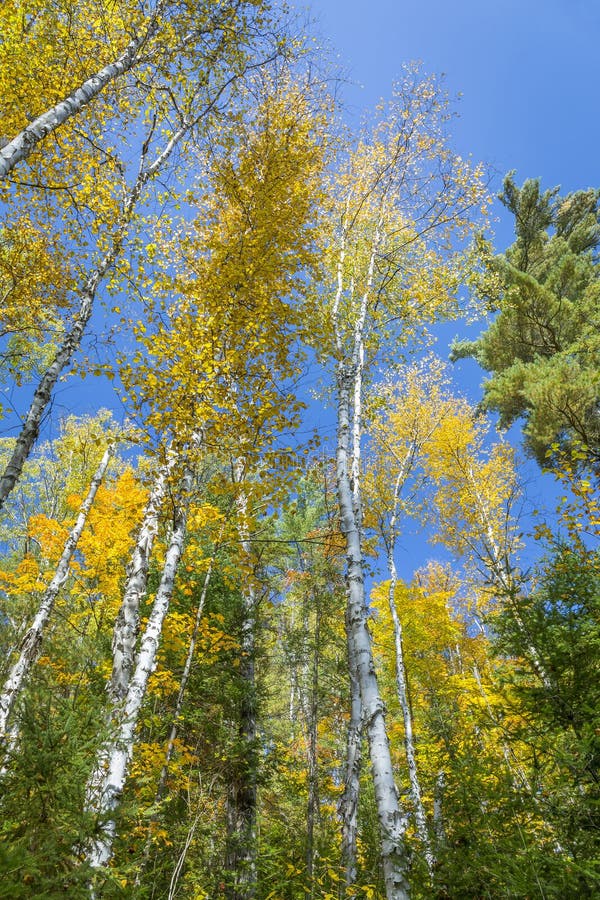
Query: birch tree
(18, 148)
(348, 803)
(241, 849)
(126, 629)
(475, 497)
(395, 209)
(108, 777)
(396, 480)
(311, 643)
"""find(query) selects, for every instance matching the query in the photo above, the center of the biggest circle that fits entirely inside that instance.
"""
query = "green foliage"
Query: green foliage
(561, 723)
(226, 314)
(43, 791)
(543, 347)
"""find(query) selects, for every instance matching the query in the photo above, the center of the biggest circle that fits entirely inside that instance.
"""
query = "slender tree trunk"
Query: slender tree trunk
(438, 809)
(24, 143)
(106, 782)
(30, 645)
(403, 695)
(409, 739)
(72, 339)
(349, 341)
(240, 855)
(348, 805)
(127, 623)
(392, 820)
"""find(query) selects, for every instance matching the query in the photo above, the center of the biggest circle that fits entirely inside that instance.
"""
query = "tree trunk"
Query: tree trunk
(106, 783)
(409, 740)
(438, 809)
(348, 805)
(240, 854)
(312, 806)
(392, 821)
(23, 144)
(127, 623)
(185, 677)
(30, 645)
(402, 692)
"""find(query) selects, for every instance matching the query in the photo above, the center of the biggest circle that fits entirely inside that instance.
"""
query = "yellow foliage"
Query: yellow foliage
(216, 356)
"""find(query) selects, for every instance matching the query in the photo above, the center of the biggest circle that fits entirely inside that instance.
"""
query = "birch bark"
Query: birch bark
(23, 144)
(349, 391)
(185, 677)
(392, 821)
(30, 645)
(438, 809)
(106, 782)
(348, 805)
(127, 623)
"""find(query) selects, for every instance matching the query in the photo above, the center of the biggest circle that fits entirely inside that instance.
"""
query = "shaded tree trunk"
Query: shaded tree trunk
(348, 805)
(312, 805)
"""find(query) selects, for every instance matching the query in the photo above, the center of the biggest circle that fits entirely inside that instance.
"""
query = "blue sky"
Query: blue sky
(528, 72)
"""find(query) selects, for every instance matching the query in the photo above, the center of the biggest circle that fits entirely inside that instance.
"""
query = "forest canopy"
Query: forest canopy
(220, 678)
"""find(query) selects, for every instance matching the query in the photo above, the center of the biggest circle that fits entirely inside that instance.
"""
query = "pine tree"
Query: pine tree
(542, 349)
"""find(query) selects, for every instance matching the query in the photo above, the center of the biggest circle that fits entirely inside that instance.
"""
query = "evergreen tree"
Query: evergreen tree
(543, 347)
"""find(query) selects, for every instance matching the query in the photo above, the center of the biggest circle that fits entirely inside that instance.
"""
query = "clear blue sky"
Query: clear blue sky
(528, 71)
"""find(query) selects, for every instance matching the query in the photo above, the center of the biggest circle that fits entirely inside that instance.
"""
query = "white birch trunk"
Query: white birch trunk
(402, 690)
(392, 821)
(185, 677)
(350, 797)
(72, 339)
(23, 144)
(107, 781)
(348, 805)
(127, 623)
(438, 809)
(409, 739)
(30, 645)
(349, 384)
